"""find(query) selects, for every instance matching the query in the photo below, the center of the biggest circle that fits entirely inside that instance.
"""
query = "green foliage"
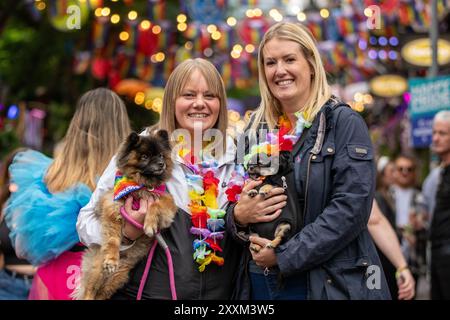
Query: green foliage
(59, 115)
(30, 58)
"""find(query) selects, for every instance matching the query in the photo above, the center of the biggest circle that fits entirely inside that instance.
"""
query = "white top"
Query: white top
(403, 200)
(89, 227)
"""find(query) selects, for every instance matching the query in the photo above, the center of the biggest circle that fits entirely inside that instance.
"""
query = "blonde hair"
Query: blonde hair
(99, 125)
(176, 83)
(270, 108)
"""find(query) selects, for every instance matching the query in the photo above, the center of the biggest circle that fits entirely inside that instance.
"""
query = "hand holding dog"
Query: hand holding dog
(264, 257)
(138, 215)
(259, 208)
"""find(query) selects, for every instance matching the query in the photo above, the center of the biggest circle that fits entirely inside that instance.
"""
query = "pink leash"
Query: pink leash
(163, 244)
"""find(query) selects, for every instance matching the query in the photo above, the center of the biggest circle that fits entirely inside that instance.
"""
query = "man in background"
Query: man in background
(440, 225)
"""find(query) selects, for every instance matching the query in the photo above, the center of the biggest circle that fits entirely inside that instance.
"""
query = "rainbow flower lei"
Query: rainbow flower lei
(206, 217)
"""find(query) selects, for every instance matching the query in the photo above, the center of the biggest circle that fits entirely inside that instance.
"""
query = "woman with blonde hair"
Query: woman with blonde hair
(42, 212)
(194, 106)
(330, 252)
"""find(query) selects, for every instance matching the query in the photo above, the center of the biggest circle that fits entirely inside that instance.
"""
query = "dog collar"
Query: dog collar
(123, 186)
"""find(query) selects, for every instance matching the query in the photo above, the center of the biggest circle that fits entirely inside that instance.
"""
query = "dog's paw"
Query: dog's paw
(265, 189)
(282, 230)
(255, 247)
(165, 222)
(110, 265)
(150, 231)
(252, 193)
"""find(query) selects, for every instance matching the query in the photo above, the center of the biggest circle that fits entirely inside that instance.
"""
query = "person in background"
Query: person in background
(384, 202)
(400, 280)
(385, 180)
(15, 274)
(440, 224)
(411, 216)
(42, 212)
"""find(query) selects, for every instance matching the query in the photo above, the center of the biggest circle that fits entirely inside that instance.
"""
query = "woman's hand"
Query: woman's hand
(406, 285)
(264, 257)
(130, 231)
(259, 208)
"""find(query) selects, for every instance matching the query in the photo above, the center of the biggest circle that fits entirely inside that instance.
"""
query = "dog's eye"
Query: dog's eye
(144, 157)
(161, 155)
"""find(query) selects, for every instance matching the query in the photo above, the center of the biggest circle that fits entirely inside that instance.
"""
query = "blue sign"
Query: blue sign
(422, 131)
(428, 97)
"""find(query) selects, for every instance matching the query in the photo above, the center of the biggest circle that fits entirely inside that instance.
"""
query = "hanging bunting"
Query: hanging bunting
(156, 10)
(206, 11)
(251, 30)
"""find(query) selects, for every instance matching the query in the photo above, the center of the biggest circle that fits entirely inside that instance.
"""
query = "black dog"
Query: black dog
(274, 176)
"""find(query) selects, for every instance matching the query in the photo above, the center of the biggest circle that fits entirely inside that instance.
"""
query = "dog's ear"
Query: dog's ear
(164, 136)
(132, 140)
(124, 150)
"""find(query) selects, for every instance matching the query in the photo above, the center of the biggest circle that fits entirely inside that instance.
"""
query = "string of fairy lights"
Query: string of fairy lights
(375, 48)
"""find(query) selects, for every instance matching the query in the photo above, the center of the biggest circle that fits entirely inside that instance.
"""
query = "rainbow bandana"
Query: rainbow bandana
(123, 186)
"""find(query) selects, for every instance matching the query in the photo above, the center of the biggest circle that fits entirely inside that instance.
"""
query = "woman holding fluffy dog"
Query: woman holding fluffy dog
(205, 259)
(331, 250)
(42, 213)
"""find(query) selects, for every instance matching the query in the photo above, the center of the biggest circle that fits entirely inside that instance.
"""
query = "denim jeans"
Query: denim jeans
(269, 287)
(13, 288)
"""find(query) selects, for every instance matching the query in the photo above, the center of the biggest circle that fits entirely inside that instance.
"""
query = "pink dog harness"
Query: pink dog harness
(163, 244)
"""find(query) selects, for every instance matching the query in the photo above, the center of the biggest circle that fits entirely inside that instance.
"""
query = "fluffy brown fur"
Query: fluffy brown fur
(146, 160)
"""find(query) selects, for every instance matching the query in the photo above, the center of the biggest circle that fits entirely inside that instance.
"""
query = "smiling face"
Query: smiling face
(197, 104)
(287, 72)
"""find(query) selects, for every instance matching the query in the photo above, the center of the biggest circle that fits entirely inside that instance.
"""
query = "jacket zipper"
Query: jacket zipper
(304, 214)
(306, 189)
(283, 179)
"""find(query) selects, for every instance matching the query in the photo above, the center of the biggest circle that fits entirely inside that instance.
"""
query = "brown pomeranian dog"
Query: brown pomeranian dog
(144, 165)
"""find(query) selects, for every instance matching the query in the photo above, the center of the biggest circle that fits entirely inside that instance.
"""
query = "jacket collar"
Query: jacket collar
(322, 124)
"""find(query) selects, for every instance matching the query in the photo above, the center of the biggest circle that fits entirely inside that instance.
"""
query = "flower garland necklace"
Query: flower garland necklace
(206, 217)
(272, 146)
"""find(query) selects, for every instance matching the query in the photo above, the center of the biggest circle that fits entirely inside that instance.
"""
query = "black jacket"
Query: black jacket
(335, 178)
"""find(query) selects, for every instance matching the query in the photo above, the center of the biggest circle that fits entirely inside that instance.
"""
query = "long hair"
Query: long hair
(4, 176)
(270, 108)
(99, 125)
(176, 83)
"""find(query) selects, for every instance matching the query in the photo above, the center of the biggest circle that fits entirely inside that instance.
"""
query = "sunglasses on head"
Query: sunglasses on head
(405, 169)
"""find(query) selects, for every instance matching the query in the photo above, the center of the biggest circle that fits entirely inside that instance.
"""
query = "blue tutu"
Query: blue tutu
(43, 225)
